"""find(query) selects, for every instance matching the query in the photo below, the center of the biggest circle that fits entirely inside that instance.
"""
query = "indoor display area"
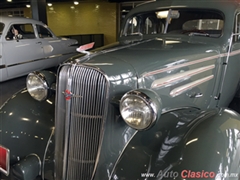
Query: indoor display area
(119, 89)
(86, 21)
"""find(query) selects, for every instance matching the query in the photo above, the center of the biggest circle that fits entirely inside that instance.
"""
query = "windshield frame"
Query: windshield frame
(215, 13)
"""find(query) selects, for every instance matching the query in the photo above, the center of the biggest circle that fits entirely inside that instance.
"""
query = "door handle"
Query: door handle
(195, 95)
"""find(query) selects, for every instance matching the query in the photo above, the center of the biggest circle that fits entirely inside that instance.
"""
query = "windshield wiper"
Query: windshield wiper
(199, 34)
(132, 37)
(196, 32)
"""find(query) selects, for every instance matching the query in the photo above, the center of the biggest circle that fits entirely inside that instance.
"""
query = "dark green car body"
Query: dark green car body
(187, 60)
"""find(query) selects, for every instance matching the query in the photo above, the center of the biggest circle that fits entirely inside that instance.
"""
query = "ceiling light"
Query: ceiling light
(9, 0)
(28, 6)
(49, 4)
(76, 2)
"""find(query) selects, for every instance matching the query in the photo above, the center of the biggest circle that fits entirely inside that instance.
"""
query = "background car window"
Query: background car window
(43, 32)
(25, 30)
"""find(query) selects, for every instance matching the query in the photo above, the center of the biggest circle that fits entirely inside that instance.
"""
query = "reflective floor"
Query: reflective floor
(8, 88)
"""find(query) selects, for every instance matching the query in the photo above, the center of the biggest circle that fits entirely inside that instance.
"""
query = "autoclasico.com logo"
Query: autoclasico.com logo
(189, 174)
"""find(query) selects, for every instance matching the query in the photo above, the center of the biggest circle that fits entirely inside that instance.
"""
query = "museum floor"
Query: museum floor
(8, 88)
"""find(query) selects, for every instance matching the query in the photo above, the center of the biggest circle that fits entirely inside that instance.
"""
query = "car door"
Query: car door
(231, 73)
(22, 55)
(51, 45)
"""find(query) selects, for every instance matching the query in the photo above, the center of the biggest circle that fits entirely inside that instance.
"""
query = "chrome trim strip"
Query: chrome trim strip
(54, 41)
(179, 90)
(225, 67)
(233, 53)
(22, 45)
(166, 110)
(30, 61)
(180, 65)
(104, 119)
(45, 152)
(67, 124)
(169, 80)
(53, 56)
(121, 154)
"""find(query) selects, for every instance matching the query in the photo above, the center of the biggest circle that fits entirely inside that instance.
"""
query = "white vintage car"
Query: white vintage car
(27, 45)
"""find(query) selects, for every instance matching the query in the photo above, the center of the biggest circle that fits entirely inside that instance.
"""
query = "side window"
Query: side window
(211, 26)
(43, 32)
(237, 28)
(150, 27)
(20, 31)
(133, 26)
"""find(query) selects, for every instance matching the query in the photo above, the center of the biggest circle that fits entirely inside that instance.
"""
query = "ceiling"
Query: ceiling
(4, 4)
(17, 3)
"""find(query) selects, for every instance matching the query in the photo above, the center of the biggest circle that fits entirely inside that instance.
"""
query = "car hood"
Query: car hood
(152, 55)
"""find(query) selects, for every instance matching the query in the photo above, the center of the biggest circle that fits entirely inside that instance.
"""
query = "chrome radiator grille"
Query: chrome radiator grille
(80, 113)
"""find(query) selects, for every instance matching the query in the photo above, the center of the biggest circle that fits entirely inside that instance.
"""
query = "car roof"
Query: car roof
(9, 19)
(226, 6)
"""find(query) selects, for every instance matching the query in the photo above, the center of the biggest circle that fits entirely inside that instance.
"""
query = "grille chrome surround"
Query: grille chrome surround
(81, 108)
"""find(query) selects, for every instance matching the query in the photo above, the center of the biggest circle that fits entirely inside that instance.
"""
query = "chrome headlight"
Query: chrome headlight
(140, 108)
(37, 86)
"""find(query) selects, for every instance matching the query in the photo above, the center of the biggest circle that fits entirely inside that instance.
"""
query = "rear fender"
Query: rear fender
(182, 141)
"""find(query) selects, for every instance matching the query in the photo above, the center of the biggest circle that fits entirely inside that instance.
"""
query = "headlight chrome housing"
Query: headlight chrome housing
(140, 108)
(38, 85)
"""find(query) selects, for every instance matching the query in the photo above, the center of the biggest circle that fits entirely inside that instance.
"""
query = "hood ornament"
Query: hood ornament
(68, 95)
(84, 48)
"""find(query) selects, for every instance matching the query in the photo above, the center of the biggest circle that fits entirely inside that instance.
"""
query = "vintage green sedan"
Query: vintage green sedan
(154, 105)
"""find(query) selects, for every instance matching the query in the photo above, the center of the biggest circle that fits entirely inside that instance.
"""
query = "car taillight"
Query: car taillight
(4, 160)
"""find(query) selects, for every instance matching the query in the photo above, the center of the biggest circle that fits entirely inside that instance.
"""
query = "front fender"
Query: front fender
(183, 142)
(211, 148)
(26, 125)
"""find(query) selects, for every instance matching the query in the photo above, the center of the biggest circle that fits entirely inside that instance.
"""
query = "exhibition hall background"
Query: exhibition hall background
(88, 17)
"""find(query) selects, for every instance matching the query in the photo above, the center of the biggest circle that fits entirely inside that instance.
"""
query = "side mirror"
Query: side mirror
(17, 37)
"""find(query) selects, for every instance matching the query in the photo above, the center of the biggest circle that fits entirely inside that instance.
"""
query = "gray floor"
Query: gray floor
(8, 88)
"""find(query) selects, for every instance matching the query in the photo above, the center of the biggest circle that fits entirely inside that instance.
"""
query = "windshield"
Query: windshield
(1, 28)
(191, 22)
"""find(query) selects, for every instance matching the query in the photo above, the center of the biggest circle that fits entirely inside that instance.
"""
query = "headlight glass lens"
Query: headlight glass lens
(136, 112)
(37, 87)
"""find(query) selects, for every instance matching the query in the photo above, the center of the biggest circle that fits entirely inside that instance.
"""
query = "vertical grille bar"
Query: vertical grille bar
(81, 139)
